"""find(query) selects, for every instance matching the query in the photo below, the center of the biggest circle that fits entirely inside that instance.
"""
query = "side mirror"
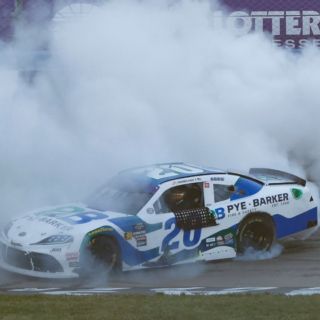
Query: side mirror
(150, 211)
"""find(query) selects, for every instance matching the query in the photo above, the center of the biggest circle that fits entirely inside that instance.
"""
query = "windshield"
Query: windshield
(122, 195)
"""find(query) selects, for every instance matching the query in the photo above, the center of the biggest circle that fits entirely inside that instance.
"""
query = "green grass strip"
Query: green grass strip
(246, 307)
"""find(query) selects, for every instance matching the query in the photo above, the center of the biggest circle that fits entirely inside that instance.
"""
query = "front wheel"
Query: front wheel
(257, 231)
(101, 257)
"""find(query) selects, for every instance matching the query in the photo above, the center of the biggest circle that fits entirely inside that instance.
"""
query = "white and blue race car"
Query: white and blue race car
(162, 215)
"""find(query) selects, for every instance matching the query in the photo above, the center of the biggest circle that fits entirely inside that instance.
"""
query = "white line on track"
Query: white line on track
(84, 292)
(33, 289)
(197, 291)
(304, 292)
(191, 291)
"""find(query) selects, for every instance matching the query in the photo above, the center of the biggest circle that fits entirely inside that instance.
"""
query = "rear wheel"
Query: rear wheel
(256, 231)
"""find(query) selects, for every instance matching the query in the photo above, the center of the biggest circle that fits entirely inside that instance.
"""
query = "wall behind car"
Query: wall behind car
(138, 82)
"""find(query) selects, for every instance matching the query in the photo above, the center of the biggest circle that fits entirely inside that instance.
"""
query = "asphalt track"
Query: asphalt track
(298, 267)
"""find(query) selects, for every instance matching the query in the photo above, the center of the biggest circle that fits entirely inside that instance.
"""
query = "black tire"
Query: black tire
(256, 231)
(101, 257)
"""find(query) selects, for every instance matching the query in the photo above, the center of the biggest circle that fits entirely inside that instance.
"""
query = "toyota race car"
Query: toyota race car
(161, 215)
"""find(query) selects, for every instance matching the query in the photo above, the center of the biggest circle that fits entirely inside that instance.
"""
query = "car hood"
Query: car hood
(69, 219)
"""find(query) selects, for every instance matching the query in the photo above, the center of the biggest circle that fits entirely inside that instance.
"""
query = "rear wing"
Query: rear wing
(276, 177)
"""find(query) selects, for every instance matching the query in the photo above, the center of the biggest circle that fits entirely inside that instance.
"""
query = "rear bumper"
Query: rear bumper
(316, 198)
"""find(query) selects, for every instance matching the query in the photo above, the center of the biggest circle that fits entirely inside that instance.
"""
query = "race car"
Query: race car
(161, 215)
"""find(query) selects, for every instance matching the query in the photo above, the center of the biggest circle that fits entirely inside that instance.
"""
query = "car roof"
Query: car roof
(163, 172)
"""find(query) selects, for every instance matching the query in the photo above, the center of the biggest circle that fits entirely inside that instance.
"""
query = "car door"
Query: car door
(233, 197)
(182, 210)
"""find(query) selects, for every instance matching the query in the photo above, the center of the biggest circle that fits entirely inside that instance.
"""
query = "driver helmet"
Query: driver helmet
(176, 198)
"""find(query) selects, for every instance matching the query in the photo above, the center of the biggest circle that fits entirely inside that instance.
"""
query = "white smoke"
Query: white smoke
(252, 255)
(139, 82)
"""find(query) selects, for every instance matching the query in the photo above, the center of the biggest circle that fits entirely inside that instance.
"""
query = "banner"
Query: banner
(291, 23)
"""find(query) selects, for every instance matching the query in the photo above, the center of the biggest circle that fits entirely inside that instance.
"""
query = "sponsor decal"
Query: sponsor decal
(189, 180)
(297, 193)
(279, 198)
(85, 217)
(289, 28)
(207, 185)
(245, 207)
(56, 250)
(228, 238)
(150, 211)
(218, 213)
(142, 241)
(70, 256)
(55, 223)
(139, 226)
(220, 241)
(128, 235)
(223, 238)
(217, 179)
(290, 23)
(72, 215)
(211, 240)
(100, 230)
(60, 211)
(237, 207)
(140, 234)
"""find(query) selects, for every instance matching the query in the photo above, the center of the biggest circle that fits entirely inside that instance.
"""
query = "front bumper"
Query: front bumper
(31, 263)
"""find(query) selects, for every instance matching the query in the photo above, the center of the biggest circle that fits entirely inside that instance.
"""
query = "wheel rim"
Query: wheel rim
(104, 254)
(257, 236)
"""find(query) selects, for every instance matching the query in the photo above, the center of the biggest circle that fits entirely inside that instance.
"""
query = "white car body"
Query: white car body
(49, 242)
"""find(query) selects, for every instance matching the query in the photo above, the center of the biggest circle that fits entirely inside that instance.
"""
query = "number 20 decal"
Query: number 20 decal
(167, 243)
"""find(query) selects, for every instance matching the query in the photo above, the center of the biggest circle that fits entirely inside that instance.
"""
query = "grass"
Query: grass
(246, 307)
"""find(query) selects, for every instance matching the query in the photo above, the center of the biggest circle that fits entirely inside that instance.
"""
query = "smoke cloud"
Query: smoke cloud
(251, 254)
(138, 82)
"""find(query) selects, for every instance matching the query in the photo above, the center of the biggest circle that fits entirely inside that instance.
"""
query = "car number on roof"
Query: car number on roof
(170, 171)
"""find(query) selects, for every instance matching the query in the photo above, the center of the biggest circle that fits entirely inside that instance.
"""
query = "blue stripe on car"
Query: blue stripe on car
(286, 226)
(245, 188)
(127, 224)
(133, 257)
(130, 255)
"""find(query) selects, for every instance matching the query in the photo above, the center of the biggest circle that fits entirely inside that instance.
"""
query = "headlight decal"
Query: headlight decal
(55, 239)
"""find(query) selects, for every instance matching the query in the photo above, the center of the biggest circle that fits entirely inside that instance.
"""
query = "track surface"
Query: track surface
(297, 267)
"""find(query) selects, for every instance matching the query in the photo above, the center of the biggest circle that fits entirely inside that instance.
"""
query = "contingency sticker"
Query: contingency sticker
(297, 193)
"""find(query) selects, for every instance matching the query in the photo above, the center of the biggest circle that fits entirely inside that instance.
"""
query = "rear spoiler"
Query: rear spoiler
(276, 177)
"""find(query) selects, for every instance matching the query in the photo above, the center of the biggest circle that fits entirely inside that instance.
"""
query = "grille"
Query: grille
(18, 258)
(29, 260)
(45, 263)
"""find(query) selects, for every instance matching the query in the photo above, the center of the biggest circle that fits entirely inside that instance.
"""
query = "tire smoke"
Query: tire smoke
(139, 82)
(252, 255)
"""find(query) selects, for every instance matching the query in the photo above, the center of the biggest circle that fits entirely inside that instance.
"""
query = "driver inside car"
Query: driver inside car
(184, 197)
